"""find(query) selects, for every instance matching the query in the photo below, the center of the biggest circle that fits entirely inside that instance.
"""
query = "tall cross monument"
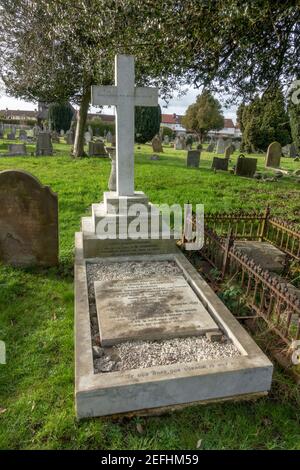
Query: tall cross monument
(124, 95)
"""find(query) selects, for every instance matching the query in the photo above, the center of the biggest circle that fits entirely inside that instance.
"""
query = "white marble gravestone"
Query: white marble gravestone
(124, 96)
(140, 306)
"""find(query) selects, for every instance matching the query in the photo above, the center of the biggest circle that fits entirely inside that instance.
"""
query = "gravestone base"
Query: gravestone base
(151, 389)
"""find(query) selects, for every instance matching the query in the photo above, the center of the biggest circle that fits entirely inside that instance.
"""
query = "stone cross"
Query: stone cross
(125, 96)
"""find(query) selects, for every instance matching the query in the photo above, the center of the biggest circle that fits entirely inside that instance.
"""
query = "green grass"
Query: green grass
(36, 320)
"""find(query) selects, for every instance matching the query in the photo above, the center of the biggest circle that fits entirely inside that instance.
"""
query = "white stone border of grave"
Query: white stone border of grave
(248, 375)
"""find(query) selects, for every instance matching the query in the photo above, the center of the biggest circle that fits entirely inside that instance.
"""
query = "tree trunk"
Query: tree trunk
(78, 150)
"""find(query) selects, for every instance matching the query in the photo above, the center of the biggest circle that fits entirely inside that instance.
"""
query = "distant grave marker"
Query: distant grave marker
(274, 153)
(246, 166)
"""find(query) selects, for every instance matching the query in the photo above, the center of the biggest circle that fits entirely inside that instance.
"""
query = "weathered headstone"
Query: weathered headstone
(156, 145)
(62, 132)
(193, 158)
(220, 146)
(55, 137)
(70, 137)
(28, 221)
(220, 163)
(293, 151)
(245, 166)
(177, 144)
(87, 137)
(11, 136)
(274, 153)
(166, 140)
(44, 144)
(229, 151)
(22, 134)
(97, 149)
(36, 129)
(109, 137)
(16, 149)
(210, 147)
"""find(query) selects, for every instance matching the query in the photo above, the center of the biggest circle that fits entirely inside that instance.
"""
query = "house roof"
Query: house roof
(170, 119)
(17, 112)
(228, 123)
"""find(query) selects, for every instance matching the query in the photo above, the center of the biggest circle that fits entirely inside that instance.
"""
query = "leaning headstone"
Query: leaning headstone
(245, 166)
(28, 221)
(16, 149)
(274, 153)
(220, 146)
(220, 163)
(97, 149)
(44, 144)
(229, 151)
(193, 158)
(156, 145)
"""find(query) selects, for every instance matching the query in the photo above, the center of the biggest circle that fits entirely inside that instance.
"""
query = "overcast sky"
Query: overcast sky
(176, 105)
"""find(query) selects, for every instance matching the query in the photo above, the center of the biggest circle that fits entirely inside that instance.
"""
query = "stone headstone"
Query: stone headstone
(229, 151)
(274, 153)
(177, 144)
(36, 129)
(62, 132)
(156, 145)
(293, 151)
(220, 163)
(210, 147)
(55, 137)
(44, 144)
(166, 140)
(246, 166)
(28, 221)
(220, 146)
(22, 134)
(1, 134)
(109, 137)
(11, 136)
(90, 129)
(70, 137)
(17, 149)
(97, 149)
(193, 158)
(87, 137)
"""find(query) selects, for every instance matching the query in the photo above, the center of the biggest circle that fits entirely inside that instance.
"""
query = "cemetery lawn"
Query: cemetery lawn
(36, 319)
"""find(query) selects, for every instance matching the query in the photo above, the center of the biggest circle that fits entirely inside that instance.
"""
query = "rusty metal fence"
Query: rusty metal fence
(267, 295)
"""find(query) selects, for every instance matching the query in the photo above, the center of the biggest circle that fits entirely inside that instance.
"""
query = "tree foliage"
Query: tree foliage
(264, 121)
(147, 123)
(294, 114)
(54, 50)
(204, 115)
(60, 116)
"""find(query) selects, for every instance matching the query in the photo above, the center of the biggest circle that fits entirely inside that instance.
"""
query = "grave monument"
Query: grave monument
(133, 291)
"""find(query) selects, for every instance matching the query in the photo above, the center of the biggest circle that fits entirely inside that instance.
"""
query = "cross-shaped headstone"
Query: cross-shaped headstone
(125, 96)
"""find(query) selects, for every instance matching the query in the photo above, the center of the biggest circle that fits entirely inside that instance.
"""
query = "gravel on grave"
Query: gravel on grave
(143, 354)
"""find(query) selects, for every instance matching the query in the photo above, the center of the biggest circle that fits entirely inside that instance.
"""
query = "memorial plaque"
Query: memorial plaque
(149, 308)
